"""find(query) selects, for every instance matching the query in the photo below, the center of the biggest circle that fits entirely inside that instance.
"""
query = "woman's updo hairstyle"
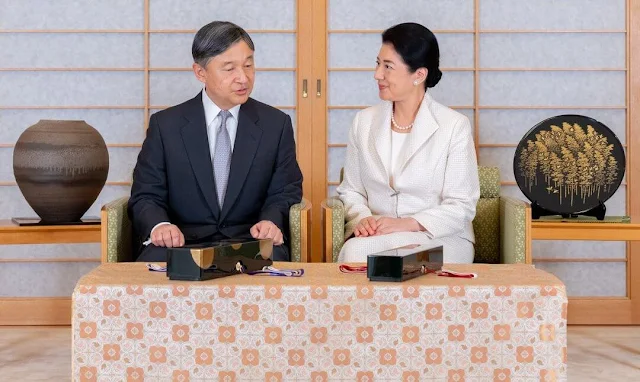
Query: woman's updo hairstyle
(418, 47)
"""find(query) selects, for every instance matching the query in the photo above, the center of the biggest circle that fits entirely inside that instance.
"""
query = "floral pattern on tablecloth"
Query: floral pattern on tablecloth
(319, 333)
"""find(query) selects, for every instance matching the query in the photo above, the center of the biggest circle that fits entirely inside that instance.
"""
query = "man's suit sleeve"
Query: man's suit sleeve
(148, 202)
(285, 188)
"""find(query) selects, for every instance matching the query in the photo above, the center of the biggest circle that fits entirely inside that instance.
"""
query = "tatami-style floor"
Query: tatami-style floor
(594, 353)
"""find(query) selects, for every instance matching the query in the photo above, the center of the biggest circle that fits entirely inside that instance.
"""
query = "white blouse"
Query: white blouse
(398, 142)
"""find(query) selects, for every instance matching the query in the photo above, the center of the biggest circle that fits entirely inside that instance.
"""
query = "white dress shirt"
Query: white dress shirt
(213, 120)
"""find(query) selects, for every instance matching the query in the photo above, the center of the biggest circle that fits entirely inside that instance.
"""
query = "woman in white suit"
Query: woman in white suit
(411, 174)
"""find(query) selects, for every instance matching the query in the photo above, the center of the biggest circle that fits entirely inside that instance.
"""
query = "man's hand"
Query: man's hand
(366, 227)
(167, 235)
(267, 230)
(389, 225)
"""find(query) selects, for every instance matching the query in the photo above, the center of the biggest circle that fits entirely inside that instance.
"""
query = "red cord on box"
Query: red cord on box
(351, 269)
(446, 273)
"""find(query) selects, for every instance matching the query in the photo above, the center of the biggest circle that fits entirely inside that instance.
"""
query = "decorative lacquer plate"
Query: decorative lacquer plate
(569, 165)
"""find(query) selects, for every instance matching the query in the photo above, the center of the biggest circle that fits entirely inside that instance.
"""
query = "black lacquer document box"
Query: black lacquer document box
(220, 259)
(404, 263)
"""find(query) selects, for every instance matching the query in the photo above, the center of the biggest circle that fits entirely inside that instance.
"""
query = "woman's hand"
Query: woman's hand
(389, 225)
(366, 227)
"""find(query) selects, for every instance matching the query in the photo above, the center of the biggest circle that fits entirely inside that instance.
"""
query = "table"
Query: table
(129, 324)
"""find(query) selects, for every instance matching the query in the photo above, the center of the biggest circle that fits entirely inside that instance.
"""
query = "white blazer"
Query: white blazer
(437, 182)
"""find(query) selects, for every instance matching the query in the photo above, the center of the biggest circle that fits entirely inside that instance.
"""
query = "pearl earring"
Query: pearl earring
(415, 83)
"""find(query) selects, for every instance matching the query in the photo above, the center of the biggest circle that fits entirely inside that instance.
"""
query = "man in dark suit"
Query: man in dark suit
(219, 166)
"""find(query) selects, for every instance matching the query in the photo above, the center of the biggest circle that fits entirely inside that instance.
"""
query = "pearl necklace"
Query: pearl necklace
(393, 121)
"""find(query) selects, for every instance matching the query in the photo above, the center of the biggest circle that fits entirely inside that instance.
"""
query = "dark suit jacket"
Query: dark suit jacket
(173, 179)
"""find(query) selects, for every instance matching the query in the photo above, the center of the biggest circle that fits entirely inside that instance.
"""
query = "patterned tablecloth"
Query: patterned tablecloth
(509, 324)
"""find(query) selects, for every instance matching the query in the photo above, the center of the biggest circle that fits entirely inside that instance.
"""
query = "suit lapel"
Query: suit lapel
(244, 150)
(423, 128)
(381, 137)
(196, 144)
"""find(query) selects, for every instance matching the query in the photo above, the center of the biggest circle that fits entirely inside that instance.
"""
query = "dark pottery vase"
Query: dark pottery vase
(60, 168)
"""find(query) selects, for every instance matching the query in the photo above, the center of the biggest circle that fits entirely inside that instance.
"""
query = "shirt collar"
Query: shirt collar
(211, 110)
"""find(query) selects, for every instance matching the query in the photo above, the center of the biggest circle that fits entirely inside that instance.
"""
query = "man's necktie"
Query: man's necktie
(222, 157)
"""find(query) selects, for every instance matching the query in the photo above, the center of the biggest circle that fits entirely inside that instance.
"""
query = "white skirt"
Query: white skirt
(455, 249)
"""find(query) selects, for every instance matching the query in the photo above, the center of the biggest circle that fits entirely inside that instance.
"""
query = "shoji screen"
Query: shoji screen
(112, 63)
(537, 59)
(67, 60)
(507, 65)
(354, 41)
(172, 27)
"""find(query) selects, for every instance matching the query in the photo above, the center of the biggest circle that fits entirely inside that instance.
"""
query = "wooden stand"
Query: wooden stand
(598, 310)
(11, 233)
(42, 310)
(546, 230)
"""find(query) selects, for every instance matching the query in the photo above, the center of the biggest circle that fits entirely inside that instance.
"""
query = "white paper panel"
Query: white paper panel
(570, 249)
(469, 113)
(502, 157)
(510, 126)
(72, 14)
(50, 251)
(548, 50)
(122, 160)
(6, 164)
(454, 89)
(340, 122)
(172, 88)
(294, 121)
(513, 191)
(331, 191)
(349, 50)
(115, 126)
(590, 279)
(91, 50)
(42, 279)
(352, 88)
(13, 204)
(382, 14)
(108, 194)
(251, 14)
(71, 88)
(562, 88)
(273, 50)
(336, 162)
(615, 205)
(552, 14)
(360, 88)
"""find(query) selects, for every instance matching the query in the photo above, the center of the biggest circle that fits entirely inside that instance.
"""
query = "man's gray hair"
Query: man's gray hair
(215, 38)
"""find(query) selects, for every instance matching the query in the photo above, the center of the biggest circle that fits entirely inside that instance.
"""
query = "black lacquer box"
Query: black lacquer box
(220, 259)
(404, 263)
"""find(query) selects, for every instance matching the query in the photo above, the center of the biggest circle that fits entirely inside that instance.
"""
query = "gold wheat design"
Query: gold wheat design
(574, 163)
